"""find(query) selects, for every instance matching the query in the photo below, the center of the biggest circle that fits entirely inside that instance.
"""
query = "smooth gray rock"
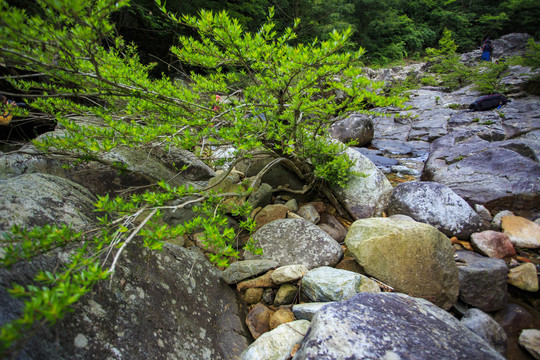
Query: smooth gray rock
(178, 307)
(296, 242)
(366, 195)
(487, 328)
(437, 205)
(241, 270)
(309, 213)
(40, 199)
(482, 281)
(325, 284)
(261, 197)
(277, 344)
(307, 310)
(357, 127)
(389, 326)
(332, 227)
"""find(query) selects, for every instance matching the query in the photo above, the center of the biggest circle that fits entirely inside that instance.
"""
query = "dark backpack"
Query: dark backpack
(489, 102)
(488, 46)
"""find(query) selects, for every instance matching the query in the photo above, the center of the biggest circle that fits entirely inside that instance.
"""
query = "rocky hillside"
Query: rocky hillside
(430, 252)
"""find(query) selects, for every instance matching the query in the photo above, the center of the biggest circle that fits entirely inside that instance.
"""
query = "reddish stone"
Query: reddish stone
(493, 244)
(270, 213)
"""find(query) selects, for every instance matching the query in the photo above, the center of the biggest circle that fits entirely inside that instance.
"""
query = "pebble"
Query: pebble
(285, 294)
(281, 316)
(493, 244)
(522, 232)
(288, 273)
(253, 295)
(524, 277)
(530, 340)
(258, 320)
(261, 281)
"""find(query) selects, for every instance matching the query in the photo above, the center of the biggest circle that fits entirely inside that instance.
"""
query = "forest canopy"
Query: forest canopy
(388, 30)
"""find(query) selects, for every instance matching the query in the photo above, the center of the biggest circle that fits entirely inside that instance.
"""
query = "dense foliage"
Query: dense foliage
(275, 95)
(389, 30)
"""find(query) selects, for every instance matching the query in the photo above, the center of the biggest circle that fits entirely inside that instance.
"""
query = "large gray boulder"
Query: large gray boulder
(357, 127)
(123, 167)
(497, 174)
(171, 304)
(437, 205)
(366, 194)
(41, 199)
(296, 242)
(411, 257)
(389, 326)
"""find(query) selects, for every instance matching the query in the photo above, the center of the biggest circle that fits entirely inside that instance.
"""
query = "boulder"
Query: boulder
(41, 199)
(357, 127)
(178, 307)
(411, 257)
(488, 329)
(99, 178)
(497, 174)
(278, 175)
(278, 343)
(482, 281)
(366, 194)
(325, 284)
(253, 295)
(389, 326)
(296, 242)
(430, 125)
(437, 205)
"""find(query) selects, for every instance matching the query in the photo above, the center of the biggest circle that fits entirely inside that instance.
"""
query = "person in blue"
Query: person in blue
(487, 48)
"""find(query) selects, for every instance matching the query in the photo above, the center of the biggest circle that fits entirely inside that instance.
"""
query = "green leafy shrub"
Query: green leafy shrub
(274, 96)
(488, 75)
(532, 55)
(429, 81)
(446, 64)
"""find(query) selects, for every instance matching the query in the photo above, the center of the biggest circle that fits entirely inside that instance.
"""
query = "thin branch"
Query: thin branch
(128, 240)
